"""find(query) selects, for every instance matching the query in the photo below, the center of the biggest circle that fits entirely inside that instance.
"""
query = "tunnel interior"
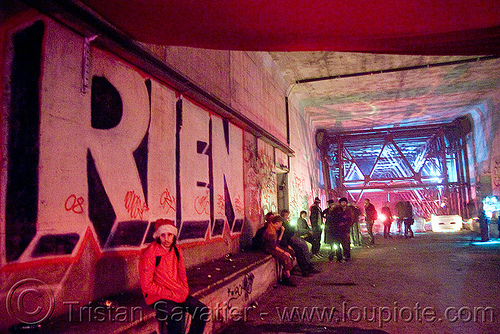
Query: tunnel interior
(426, 165)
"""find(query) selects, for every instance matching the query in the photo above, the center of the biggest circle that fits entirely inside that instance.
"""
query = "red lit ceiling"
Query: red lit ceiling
(459, 27)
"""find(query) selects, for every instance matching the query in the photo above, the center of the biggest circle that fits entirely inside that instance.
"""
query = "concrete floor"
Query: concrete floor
(433, 283)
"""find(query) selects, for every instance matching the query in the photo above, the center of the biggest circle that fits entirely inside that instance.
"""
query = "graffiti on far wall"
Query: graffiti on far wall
(134, 154)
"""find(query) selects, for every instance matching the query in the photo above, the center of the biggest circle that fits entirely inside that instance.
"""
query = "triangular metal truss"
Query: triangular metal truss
(426, 165)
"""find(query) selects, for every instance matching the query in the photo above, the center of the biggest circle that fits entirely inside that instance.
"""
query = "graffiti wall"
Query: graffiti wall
(267, 176)
(303, 181)
(260, 180)
(93, 151)
(495, 152)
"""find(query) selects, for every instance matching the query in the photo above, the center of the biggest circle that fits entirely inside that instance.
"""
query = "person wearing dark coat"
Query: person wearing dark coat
(483, 223)
(316, 219)
(299, 246)
(355, 229)
(370, 217)
(337, 230)
(386, 211)
(304, 231)
(405, 213)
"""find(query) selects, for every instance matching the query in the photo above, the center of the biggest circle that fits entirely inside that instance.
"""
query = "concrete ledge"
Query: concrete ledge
(227, 286)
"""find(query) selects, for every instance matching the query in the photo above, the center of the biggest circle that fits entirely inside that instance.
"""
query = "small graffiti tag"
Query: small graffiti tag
(167, 201)
(134, 205)
(220, 204)
(74, 204)
(202, 205)
(239, 290)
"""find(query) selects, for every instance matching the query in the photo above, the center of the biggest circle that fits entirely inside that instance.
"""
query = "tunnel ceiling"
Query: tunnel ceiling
(342, 91)
(376, 48)
(343, 38)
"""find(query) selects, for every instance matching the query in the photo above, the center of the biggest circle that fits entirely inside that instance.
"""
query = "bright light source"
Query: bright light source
(446, 223)
(491, 206)
(436, 179)
(382, 217)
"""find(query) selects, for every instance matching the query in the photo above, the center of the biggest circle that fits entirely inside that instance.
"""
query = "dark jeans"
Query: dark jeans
(399, 223)
(356, 234)
(408, 232)
(302, 253)
(316, 244)
(387, 230)
(343, 247)
(171, 315)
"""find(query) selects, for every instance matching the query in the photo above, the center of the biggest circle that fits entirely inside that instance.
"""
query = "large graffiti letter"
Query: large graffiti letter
(195, 153)
(23, 142)
(120, 119)
(228, 182)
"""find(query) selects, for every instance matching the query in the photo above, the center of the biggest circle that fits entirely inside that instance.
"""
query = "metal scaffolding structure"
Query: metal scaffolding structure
(426, 165)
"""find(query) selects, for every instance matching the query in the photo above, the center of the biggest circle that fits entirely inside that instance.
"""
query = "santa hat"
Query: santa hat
(164, 226)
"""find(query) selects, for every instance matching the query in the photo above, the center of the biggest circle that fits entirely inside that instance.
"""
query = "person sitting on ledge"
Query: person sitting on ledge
(164, 284)
(270, 244)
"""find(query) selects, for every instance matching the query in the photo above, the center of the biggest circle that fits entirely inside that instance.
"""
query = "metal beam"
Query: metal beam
(397, 69)
(395, 187)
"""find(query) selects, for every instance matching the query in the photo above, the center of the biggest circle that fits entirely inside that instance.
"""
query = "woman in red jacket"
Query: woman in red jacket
(164, 284)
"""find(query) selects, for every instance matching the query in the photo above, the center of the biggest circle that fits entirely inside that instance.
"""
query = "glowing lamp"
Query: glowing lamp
(382, 217)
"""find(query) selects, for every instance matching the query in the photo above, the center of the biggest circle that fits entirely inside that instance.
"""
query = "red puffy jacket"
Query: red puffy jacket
(167, 280)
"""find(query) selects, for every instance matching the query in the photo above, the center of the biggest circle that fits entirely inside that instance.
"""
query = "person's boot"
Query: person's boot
(287, 281)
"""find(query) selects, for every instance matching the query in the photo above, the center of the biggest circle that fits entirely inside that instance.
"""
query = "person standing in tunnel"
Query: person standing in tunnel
(355, 229)
(331, 236)
(401, 212)
(483, 222)
(370, 217)
(163, 281)
(341, 221)
(408, 219)
(386, 211)
(303, 229)
(316, 219)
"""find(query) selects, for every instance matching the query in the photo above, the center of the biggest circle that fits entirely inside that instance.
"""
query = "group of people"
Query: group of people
(342, 227)
(404, 218)
(163, 274)
(287, 244)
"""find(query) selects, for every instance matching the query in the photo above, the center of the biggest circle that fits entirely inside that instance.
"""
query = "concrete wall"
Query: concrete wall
(484, 148)
(88, 165)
